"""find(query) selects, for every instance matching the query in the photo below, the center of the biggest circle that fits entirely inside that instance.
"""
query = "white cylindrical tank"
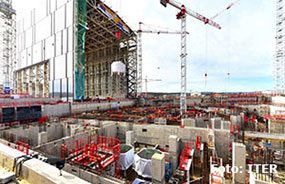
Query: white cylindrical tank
(118, 67)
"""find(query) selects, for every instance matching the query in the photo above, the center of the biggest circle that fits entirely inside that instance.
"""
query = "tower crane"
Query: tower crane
(146, 80)
(140, 31)
(182, 16)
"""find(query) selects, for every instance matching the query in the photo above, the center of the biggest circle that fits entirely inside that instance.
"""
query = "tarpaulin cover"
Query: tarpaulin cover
(126, 159)
(140, 181)
(80, 49)
(143, 166)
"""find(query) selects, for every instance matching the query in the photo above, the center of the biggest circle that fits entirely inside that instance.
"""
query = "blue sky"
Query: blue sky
(244, 47)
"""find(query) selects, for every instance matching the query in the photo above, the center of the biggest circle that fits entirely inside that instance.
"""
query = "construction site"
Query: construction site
(73, 109)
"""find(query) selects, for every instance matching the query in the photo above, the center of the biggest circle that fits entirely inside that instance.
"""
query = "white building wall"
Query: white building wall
(48, 35)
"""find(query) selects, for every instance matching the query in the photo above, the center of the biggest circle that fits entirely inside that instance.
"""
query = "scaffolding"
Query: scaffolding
(279, 70)
(7, 44)
(109, 39)
(34, 79)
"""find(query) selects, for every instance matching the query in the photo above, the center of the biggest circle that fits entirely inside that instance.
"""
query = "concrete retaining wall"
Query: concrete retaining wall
(158, 134)
(54, 130)
(91, 177)
(277, 127)
(66, 109)
(85, 107)
(36, 171)
(56, 110)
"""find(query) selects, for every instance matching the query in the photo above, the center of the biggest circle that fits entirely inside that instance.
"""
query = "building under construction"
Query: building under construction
(7, 44)
(67, 50)
(76, 117)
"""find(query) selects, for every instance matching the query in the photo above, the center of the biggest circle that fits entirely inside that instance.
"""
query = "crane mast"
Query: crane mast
(182, 16)
(139, 77)
(279, 71)
(183, 100)
(140, 31)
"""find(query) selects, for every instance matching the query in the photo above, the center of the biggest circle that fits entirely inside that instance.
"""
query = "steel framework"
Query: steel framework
(109, 39)
(279, 63)
(183, 102)
(140, 74)
(7, 43)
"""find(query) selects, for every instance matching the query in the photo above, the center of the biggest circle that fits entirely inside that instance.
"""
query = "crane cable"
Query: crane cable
(206, 55)
(229, 37)
(229, 52)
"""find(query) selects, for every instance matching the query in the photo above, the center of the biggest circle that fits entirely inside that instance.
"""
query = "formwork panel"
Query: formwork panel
(8, 114)
(23, 113)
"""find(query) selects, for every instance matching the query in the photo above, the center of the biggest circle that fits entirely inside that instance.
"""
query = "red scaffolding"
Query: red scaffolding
(96, 152)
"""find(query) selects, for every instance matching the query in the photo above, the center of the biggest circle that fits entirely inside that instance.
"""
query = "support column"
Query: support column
(173, 142)
(130, 137)
(46, 80)
(158, 168)
(20, 81)
(31, 81)
(38, 80)
(238, 160)
(25, 81)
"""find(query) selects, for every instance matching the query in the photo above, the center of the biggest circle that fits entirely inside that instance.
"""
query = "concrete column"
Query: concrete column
(38, 92)
(158, 168)
(30, 82)
(173, 150)
(160, 121)
(46, 80)
(188, 122)
(212, 120)
(42, 138)
(130, 137)
(238, 160)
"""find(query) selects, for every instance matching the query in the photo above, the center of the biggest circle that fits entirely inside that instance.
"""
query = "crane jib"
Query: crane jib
(190, 12)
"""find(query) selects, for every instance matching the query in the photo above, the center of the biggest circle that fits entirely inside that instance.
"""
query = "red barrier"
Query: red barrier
(23, 147)
(186, 155)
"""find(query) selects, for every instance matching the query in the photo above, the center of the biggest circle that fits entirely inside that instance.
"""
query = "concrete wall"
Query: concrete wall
(54, 130)
(36, 171)
(278, 99)
(158, 134)
(83, 107)
(122, 129)
(277, 127)
(56, 110)
(109, 129)
(53, 148)
(66, 109)
(274, 108)
(92, 177)
(222, 139)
